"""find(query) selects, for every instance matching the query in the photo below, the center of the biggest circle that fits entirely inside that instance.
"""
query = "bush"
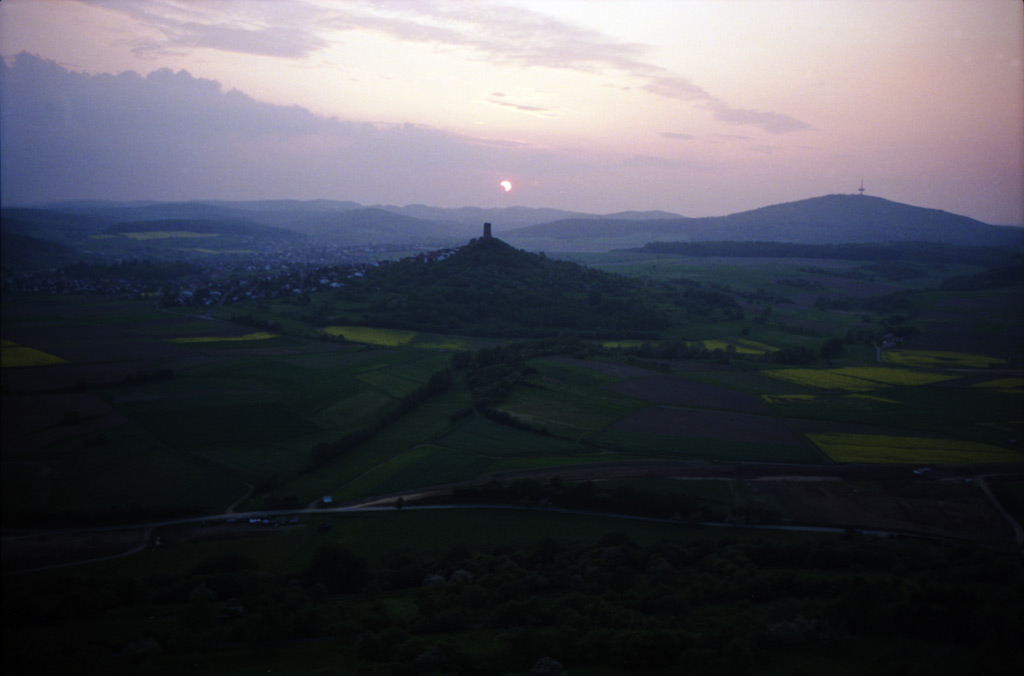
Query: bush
(337, 569)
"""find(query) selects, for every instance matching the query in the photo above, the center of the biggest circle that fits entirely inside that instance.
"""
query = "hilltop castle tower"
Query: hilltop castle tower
(487, 230)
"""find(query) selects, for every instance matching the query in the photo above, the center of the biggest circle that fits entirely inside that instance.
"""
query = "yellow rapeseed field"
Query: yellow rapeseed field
(753, 344)
(871, 448)
(216, 251)
(1002, 383)
(871, 397)
(855, 378)
(822, 378)
(619, 344)
(938, 358)
(259, 335)
(787, 398)
(741, 346)
(892, 376)
(167, 234)
(13, 355)
(371, 335)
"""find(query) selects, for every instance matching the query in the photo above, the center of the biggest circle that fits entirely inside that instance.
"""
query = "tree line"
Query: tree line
(697, 604)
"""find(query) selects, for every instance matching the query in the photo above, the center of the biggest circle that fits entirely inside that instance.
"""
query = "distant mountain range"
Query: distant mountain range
(831, 219)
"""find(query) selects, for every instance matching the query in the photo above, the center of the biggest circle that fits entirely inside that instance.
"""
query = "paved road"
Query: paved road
(375, 506)
(386, 503)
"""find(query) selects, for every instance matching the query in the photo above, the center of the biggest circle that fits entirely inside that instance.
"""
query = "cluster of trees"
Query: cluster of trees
(994, 278)
(899, 301)
(672, 349)
(703, 605)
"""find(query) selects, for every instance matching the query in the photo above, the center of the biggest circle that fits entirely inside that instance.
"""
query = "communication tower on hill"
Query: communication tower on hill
(860, 191)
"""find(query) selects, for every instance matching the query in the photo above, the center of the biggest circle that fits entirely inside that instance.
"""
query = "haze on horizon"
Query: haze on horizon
(697, 107)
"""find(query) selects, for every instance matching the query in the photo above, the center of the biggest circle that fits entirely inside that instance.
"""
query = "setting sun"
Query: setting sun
(506, 185)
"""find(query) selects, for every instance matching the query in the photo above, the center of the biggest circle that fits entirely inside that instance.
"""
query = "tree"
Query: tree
(337, 568)
(831, 348)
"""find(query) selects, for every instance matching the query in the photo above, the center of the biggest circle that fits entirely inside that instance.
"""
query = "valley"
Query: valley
(443, 416)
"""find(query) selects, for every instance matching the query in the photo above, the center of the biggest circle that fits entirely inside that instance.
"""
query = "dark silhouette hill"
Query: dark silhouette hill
(25, 252)
(490, 288)
(372, 225)
(831, 219)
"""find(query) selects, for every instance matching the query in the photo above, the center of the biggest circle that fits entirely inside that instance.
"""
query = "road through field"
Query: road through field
(36, 548)
(1018, 532)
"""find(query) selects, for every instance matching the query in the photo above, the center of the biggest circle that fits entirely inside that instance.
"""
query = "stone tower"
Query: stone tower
(487, 230)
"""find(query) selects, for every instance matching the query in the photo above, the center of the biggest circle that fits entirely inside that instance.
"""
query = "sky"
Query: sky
(696, 107)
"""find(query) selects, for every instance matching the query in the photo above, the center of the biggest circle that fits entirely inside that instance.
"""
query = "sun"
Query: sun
(506, 185)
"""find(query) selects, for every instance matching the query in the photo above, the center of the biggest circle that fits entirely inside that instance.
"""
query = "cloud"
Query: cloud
(274, 29)
(525, 38)
(171, 136)
(496, 33)
(522, 108)
(774, 123)
(677, 88)
(281, 41)
(529, 39)
(675, 136)
(682, 89)
(731, 137)
(492, 32)
(651, 162)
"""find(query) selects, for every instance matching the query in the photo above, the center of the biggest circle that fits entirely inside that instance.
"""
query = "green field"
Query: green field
(250, 405)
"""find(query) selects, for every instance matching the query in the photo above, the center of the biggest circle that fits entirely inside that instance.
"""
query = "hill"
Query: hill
(831, 219)
(372, 225)
(490, 288)
(25, 252)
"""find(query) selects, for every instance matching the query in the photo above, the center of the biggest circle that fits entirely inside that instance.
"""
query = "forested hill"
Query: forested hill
(830, 219)
(920, 252)
(490, 288)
